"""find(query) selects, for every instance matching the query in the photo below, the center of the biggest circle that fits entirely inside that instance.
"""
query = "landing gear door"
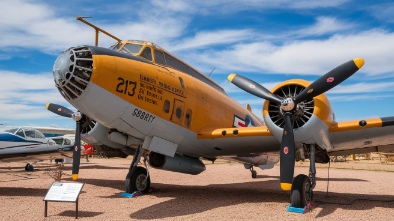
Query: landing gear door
(178, 111)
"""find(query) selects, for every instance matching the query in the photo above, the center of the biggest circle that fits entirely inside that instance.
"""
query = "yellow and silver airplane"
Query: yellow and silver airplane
(146, 101)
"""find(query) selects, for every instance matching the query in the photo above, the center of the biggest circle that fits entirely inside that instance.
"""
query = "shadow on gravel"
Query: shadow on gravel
(196, 199)
(81, 214)
(329, 204)
(204, 198)
(20, 191)
(319, 179)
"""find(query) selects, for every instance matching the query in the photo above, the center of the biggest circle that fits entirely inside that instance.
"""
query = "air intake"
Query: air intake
(301, 114)
(72, 71)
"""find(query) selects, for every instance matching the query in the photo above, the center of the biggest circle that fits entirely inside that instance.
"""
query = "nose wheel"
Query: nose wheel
(302, 188)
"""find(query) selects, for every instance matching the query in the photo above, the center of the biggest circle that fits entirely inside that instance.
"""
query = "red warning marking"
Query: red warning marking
(330, 79)
(286, 150)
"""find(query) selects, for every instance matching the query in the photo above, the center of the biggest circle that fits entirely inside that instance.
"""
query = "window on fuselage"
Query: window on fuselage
(147, 54)
(30, 133)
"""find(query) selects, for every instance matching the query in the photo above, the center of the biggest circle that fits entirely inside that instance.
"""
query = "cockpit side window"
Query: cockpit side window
(30, 133)
(160, 57)
(147, 53)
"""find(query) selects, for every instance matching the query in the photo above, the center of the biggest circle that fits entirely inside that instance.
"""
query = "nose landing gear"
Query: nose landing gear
(302, 189)
(138, 178)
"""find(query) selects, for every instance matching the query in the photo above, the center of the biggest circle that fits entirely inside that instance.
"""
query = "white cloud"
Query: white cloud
(204, 39)
(326, 25)
(24, 96)
(307, 57)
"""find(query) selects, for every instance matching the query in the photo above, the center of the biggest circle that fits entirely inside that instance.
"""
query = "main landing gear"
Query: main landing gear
(254, 172)
(29, 167)
(302, 188)
(138, 178)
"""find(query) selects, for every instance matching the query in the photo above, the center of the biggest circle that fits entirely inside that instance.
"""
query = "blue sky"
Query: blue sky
(268, 41)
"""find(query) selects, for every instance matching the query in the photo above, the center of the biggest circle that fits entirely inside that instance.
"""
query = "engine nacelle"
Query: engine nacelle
(99, 136)
(178, 163)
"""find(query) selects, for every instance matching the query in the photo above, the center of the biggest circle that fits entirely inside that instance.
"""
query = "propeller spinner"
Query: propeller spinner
(289, 105)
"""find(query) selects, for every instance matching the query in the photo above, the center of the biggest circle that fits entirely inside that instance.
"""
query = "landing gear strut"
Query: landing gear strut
(138, 178)
(302, 188)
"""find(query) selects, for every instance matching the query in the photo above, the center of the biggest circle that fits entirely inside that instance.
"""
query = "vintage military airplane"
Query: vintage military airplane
(29, 144)
(145, 100)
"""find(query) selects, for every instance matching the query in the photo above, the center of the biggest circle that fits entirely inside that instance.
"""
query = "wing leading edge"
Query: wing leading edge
(362, 136)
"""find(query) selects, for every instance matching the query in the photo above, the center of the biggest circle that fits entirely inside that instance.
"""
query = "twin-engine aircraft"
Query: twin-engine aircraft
(147, 102)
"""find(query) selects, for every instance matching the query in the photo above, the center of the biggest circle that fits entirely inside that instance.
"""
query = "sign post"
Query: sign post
(63, 192)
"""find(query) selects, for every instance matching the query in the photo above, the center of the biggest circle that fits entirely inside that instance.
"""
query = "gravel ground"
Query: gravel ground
(225, 191)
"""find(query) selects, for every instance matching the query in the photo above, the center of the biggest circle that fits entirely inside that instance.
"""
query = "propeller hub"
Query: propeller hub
(287, 104)
(77, 116)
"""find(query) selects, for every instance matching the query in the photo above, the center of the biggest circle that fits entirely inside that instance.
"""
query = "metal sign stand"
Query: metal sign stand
(63, 192)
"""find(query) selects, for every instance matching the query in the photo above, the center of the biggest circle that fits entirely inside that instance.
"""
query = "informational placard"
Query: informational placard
(63, 192)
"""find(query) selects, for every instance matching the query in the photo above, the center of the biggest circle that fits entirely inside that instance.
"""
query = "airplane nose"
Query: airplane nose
(72, 71)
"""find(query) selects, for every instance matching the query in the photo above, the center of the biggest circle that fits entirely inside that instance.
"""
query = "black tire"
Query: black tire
(254, 174)
(301, 194)
(29, 167)
(135, 182)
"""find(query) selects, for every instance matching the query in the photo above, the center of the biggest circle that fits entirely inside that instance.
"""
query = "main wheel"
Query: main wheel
(254, 174)
(29, 167)
(301, 193)
(138, 181)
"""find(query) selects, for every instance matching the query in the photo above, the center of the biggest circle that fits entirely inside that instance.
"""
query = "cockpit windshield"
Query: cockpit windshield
(132, 48)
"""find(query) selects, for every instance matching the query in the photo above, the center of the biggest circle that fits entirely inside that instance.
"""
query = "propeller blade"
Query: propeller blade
(253, 88)
(59, 110)
(330, 79)
(287, 154)
(76, 151)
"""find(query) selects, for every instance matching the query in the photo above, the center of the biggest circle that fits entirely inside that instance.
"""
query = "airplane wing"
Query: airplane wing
(362, 136)
(35, 153)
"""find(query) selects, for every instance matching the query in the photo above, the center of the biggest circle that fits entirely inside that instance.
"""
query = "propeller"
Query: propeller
(289, 106)
(77, 116)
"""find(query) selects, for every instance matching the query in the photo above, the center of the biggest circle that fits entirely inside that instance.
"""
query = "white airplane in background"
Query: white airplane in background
(147, 101)
(29, 144)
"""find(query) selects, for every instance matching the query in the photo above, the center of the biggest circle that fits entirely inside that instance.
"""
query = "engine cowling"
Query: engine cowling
(178, 163)
(310, 117)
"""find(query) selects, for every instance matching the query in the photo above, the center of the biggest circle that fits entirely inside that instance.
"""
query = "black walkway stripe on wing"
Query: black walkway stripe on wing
(387, 121)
